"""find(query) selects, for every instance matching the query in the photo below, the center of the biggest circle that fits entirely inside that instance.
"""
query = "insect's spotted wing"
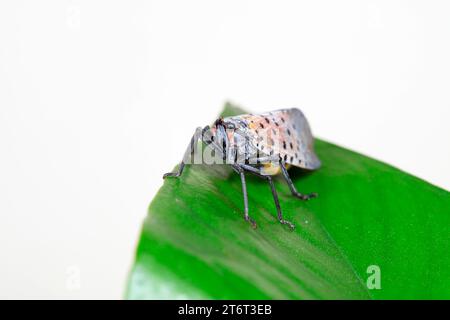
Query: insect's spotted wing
(283, 133)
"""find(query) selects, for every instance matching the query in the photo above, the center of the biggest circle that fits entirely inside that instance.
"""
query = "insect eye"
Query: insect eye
(230, 126)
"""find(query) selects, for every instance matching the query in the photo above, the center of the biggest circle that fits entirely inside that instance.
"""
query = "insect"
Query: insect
(261, 144)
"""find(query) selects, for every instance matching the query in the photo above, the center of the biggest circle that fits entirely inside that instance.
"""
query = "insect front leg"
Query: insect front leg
(241, 172)
(189, 152)
(292, 187)
(274, 192)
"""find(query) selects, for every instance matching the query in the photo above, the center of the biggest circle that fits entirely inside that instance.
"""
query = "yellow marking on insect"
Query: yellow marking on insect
(270, 169)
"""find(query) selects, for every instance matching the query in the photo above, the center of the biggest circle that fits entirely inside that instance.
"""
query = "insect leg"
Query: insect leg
(292, 187)
(189, 152)
(241, 172)
(274, 192)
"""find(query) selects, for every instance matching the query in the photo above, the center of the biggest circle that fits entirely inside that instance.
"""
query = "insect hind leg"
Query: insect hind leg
(274, 193)
(292, 187)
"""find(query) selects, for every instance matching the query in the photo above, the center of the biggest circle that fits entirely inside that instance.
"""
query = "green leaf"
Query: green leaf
(195, 243)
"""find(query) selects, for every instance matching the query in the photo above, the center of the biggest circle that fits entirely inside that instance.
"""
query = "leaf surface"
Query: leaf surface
(195, 243)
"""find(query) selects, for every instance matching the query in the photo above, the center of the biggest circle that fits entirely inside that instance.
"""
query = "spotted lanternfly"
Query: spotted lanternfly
(262, 144)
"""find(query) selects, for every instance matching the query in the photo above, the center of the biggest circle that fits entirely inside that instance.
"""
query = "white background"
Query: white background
(99, 98)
